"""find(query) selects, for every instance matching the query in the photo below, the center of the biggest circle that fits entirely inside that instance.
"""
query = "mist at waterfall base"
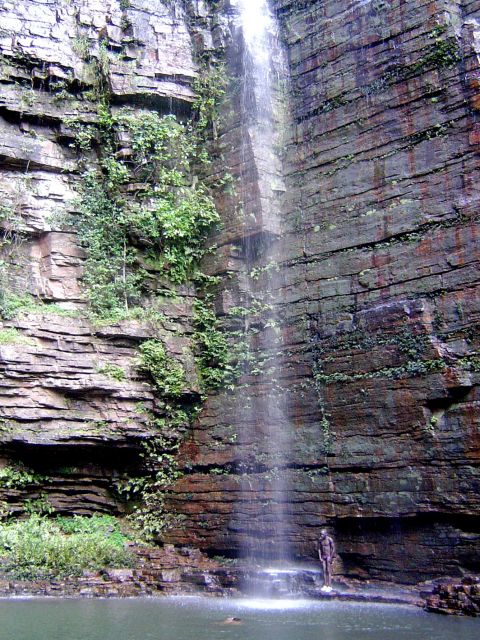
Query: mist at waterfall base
(205, 619)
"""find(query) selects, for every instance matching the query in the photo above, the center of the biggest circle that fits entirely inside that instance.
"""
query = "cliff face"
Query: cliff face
(377, 285)
(379, 301)
(74, 404)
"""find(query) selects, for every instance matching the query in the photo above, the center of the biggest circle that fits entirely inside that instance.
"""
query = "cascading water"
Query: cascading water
(266, 431)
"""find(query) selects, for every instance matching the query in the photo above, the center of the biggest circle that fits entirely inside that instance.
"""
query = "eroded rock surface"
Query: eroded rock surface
(74, 404)
(379, 302)
(456, 598)
(379, 278)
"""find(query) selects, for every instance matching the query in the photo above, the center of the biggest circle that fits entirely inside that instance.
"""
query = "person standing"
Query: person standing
(326, 553)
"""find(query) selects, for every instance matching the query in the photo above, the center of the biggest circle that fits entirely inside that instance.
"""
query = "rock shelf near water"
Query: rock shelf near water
(456, 597)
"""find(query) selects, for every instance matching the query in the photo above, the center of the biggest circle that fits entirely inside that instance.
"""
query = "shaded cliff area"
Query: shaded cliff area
(377, 288)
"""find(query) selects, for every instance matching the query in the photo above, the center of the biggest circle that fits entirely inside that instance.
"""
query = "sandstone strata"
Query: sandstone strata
(378, 294)
(454, 598)
(379, 302)
(62, 411)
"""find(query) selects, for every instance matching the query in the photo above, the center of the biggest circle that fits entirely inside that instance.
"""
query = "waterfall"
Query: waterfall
(266, 428)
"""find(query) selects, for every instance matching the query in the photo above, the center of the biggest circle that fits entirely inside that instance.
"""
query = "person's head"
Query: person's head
(323, 533)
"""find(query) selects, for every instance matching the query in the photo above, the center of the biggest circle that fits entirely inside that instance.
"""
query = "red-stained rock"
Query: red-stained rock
(455, 598)
(377, 289)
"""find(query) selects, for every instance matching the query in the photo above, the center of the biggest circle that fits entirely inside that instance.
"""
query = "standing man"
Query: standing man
(326, 553)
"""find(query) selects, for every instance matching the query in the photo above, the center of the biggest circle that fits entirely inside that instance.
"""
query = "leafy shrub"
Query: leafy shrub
(41, 548)
(13, 336)
(167, 374)
(213, 358)
(112, 371)
(18, 477)
(161, 220)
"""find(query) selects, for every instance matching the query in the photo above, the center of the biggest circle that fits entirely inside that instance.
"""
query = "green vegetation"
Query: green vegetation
(53, 548)
(470, 363)
(13, 305)
(442, 53)
(150, 516)
(19, 477)
(81, 46)
(213, 359)
(9, 219)
(13, 336)
(327, 434)
(39, 506)
(408, 344)
(167, 374)
(157, 223)
(11, 238)
(112, 371)
(143, 215)
(209, 86)
(410, 369)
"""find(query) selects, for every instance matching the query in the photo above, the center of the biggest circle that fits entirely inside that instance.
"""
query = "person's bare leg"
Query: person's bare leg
(325, 573)
(328, 580)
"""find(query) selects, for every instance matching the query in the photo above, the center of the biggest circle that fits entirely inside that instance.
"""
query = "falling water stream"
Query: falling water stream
(265, 426)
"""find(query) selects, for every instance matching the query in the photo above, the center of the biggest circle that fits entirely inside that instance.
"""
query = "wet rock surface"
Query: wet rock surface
(379, 284)
(456, 598)
(162, 571)
(379, 305)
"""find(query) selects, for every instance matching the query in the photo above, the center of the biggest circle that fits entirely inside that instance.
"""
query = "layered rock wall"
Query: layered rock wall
(74, 405)
(378, 281)
(379, 302)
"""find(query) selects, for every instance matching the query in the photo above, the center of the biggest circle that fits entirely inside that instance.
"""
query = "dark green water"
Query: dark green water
(201, 619)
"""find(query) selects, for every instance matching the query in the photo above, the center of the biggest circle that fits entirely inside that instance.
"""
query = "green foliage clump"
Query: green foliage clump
(443, 53)
(38, 547)
(151, 518)
(112, 371)
(11, 304)
(10, 221)
(167, 374)
(471, 363)
(143, 210)
(19, 477)
(148, 495)
(111, 281)
(12, 235)
(40, 506)
(213, 358)
(14, 304)
(13, 336)
(210, 87)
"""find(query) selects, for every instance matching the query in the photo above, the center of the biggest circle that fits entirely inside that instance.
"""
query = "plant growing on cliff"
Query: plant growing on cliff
(167, 374)
(213, 359)
(12, 234)
(210, 87)
(326, 434)
(19, 477)
(150, 516)
(112, 371)
(13, 336)
(159, 223)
